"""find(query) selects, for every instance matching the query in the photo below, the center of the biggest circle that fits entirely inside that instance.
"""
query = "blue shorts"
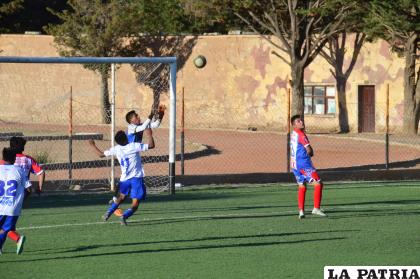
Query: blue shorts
(133, 186)
(306, 175)
(8, 223)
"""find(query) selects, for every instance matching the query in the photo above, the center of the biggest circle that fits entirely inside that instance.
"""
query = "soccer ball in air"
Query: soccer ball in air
(200, 61)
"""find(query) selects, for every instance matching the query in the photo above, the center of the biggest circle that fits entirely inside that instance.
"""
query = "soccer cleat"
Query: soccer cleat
(118, 212)
(123, 221)
(319, 212)
(301, 214)
(106, 216)
(20, 243)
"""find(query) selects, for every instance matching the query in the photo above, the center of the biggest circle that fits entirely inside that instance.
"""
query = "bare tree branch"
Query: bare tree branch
(281, 57)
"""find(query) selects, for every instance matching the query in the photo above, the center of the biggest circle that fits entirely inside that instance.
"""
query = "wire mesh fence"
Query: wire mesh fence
(222, 139)
(58, 131)
(245, 147)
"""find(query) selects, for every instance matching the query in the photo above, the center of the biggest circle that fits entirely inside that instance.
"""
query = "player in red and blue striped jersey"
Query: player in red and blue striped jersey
(29, 165)
(13, 187)
(302, 167)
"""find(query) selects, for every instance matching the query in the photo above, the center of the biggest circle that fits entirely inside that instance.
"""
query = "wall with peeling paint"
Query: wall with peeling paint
(243, 85)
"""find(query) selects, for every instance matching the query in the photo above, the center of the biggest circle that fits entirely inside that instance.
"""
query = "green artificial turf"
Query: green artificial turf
(224, 232)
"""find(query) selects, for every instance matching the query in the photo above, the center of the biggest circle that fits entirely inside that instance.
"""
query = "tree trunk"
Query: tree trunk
(297, 106)
(106, 106)
(411, 92)
(343, 116)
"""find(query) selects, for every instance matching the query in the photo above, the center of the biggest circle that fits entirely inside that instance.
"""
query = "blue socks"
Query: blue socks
(128, 213)
(112, 208)
(3, 236)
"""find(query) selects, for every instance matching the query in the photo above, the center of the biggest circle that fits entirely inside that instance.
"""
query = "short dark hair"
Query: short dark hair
(121, 138)
(130, 115)
(9, 155)
(18, 143)
(294, 117)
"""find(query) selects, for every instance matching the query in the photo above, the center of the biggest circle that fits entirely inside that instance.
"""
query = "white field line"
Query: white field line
(192, 217)
(327, 185)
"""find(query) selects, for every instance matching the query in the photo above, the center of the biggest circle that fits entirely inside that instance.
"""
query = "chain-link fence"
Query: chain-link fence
(242, 146)
(220, 139)
(58, 128)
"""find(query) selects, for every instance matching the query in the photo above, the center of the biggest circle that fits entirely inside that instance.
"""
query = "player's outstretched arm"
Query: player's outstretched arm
(144, 125)
(150, 141)
(41, 180)
(98, 152)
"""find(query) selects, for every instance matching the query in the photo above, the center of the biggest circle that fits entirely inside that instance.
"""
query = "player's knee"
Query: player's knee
(302, 186)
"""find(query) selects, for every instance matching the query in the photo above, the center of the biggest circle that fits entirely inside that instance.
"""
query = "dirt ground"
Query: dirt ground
(226, 151)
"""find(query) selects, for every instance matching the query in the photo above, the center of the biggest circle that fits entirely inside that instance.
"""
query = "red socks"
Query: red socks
(317, 195)
(301, 197)
(13, 235)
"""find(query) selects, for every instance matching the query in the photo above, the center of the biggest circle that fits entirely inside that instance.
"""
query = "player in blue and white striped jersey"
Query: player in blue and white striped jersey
(132, 172)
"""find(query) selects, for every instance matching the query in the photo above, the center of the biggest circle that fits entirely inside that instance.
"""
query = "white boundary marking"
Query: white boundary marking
(192, 217)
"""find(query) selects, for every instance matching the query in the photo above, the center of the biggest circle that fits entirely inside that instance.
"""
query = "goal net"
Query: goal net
(59, 108)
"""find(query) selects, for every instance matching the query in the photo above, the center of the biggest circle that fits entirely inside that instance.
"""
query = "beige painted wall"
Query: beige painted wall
(243, 85)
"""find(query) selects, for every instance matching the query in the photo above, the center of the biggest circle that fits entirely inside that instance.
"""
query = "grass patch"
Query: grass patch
(42, 157)
(249, 232)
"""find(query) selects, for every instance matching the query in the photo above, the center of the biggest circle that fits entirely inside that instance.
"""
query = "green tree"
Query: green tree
(96, 28)
(33, 15)
(398, 22)
(8, 8)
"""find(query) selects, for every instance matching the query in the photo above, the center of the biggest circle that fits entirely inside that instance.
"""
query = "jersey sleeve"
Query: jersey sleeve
(25, 182)
(110, 152)
(35, 167)
(303, 139)
(140, 147)
(143, 126)
(155, 124)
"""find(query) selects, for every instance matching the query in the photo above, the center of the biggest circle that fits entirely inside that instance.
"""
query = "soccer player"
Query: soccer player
(135, 131)
(303, 169)
(132, 172)
(13, 186)
(29, 165)
(135, 128)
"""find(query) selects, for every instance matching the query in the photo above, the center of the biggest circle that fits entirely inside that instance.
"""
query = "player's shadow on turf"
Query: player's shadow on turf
(369, 213)
(214, 238)
(188, 248)
(399, 164)
(397, 202)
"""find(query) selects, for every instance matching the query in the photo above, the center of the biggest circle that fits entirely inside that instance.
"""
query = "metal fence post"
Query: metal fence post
(70, 135)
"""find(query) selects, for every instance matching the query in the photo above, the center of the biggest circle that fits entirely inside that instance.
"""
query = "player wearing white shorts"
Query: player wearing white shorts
(13, 186)
(132, 172)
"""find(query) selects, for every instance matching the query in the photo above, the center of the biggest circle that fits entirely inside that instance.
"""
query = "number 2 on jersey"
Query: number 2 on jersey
(10, 191)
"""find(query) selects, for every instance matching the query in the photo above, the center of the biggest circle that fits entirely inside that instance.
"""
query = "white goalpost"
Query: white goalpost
(113, 61)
